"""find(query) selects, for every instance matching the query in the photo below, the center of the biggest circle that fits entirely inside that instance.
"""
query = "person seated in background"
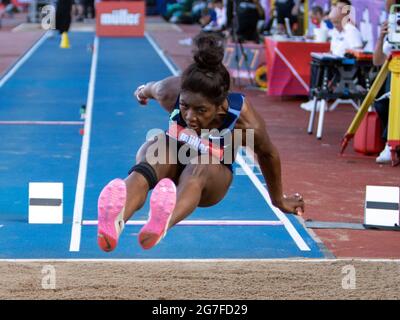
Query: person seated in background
(287, 9)
(63, 15)
(270, 25)
(318, 22)
(198, 10)
(210, 15)
(327, 19)
(382, 51)
(7, 8)
(89, 10)
(78, 10)
(345, 36)
(249, 13)
(179, 12)
(215, 18)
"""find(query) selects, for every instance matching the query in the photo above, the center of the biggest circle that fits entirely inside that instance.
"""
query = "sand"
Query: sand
(180, 280)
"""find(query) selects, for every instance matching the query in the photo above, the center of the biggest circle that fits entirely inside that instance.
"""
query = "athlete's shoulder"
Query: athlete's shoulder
(248, 116)
(235, 95)
(236, 100)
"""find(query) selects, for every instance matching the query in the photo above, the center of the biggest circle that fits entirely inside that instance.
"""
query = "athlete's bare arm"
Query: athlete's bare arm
(269, 160)
(165, 91)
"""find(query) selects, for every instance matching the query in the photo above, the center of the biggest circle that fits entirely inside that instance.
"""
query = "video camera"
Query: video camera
(394, 25)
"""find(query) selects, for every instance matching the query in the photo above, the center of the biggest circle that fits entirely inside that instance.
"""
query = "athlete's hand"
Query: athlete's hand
(293, 204)
(139, 95)
(384, 30)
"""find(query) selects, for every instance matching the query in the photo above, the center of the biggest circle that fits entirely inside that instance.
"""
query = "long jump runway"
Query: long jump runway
(40, 122)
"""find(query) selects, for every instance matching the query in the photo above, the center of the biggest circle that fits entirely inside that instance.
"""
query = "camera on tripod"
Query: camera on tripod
(394, 25)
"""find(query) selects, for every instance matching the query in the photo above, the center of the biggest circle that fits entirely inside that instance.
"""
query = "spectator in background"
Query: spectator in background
(7, 7)
(345, 36)
(215, 20)
(270, 24)
(287, 9)
(208, 15)
(249, 13)
(212, 19)
(78, 10)
(203, 13)
(382, 51)
(179, 12)
(327, 20)
(63, 15)
(88, 9)
(318, 21)
(243, 16)
(198, 10)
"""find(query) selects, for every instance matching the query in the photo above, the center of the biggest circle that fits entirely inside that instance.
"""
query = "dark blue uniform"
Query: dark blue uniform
(235, 104)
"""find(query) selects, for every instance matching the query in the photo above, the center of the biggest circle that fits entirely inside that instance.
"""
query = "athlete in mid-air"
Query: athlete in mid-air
(186, 168)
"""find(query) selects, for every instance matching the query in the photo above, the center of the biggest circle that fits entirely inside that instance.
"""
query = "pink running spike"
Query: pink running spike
(162, 204)
(111, 205)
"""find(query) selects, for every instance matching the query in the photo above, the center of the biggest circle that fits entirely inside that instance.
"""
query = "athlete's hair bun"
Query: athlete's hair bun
(207, 74)
(208, 51)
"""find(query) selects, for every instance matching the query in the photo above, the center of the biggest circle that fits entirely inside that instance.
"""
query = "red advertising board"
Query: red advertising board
(120, 18)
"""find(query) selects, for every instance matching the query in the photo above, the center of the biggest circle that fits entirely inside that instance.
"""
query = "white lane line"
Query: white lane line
(44, 123)
(281, 216)
(202, 223)
(23, 59)
(161, 54)
(283, 260)
(292, 69)
(80, 186)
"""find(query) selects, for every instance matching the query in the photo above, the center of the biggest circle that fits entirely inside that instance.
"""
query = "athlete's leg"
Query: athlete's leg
(199, 185)
(119, 199)
(137, 186)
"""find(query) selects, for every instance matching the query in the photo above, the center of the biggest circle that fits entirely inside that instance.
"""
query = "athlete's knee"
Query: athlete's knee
(147, 171)
(196, 173)
(141, 153)
(158, 151)
(196, 169)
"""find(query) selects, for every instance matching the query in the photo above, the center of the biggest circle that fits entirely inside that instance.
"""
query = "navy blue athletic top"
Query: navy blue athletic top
(235, 104)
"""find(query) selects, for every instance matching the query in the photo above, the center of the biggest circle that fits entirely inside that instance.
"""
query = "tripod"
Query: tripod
(392, 64)
(239, 45)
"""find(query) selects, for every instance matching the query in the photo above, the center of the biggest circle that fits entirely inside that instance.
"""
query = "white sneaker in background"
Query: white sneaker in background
(308, 106)
(186, 42)
(384, 156)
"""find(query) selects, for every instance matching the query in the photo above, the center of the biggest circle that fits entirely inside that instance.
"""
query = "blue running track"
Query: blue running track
(51, 86)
